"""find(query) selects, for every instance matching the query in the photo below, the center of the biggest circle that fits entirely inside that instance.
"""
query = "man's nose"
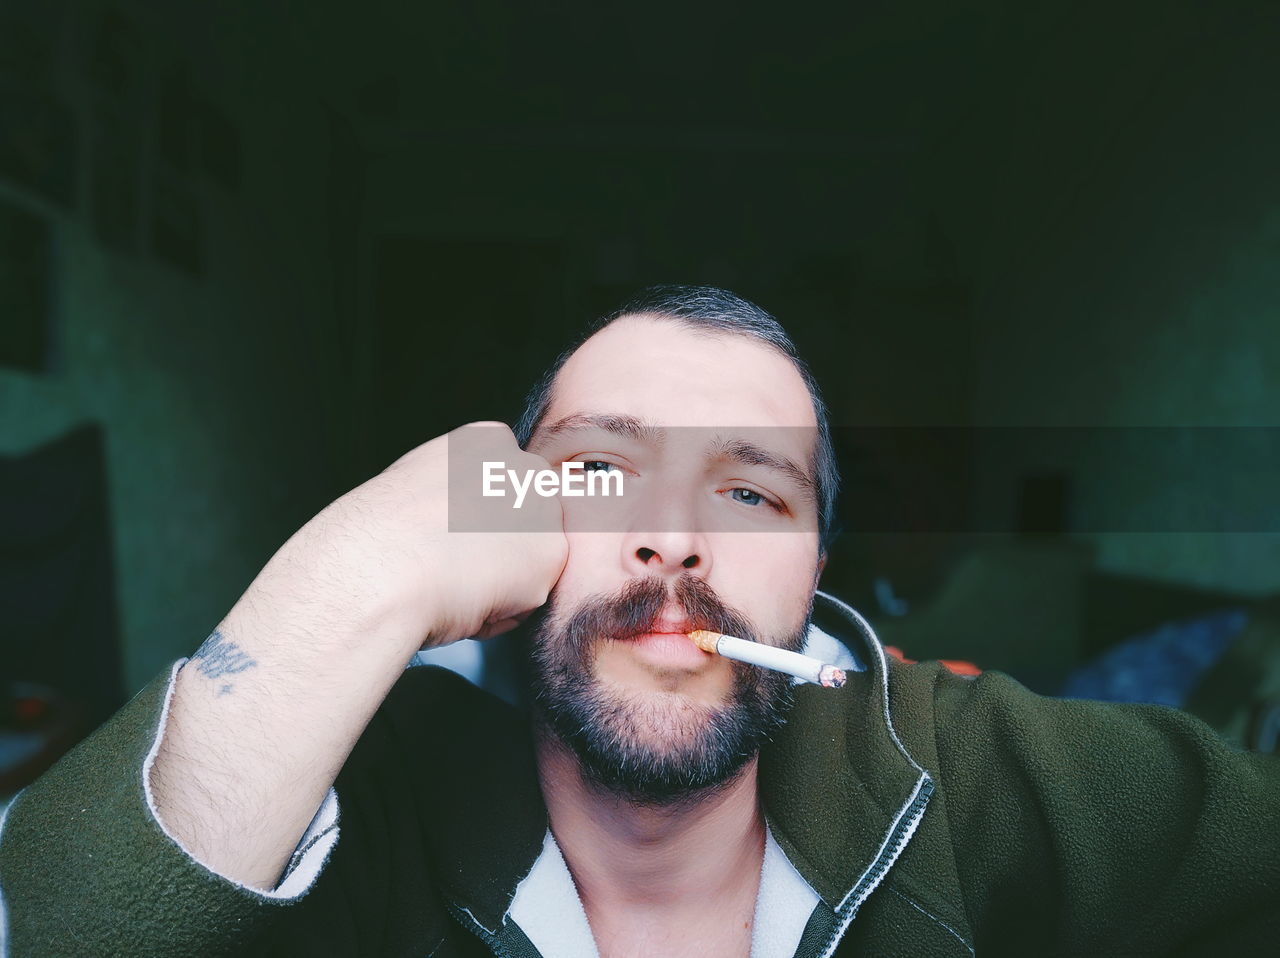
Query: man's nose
(667, 553)
(667, 536)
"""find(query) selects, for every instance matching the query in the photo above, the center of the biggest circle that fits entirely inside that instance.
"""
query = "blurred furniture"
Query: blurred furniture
(1240, 696)
(1036, 608)
(1011, 604)
(57, 601)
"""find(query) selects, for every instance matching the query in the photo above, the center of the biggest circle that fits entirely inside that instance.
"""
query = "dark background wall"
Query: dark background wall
(269, 247)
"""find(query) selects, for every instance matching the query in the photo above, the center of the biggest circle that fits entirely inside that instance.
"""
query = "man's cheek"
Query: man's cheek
(588, 563)
(579, 581)
(771, 583)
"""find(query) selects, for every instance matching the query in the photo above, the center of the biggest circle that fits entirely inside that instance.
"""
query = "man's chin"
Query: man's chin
(652, 747)
(659, 721)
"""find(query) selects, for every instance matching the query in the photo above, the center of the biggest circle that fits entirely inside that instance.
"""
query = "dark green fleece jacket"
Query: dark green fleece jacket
(932, 814)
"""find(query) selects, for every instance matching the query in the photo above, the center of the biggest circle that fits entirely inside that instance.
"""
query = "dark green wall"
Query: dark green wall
(967, 213)
(223, 392)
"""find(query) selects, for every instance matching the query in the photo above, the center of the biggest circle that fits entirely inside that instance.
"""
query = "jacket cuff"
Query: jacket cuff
(308, 858)
(87, 868)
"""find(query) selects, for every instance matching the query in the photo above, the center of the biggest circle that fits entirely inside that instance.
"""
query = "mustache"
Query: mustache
(639, 605)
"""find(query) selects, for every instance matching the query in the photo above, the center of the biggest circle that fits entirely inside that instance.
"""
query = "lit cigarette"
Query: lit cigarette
(769, 657)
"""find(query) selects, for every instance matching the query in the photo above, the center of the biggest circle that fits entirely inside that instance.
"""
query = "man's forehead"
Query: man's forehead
(659, 371)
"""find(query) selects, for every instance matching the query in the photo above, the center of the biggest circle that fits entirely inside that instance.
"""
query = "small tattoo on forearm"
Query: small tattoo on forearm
(217, 658)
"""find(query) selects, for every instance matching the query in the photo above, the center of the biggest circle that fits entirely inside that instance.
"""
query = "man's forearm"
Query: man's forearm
(262, 718)
(266, 712)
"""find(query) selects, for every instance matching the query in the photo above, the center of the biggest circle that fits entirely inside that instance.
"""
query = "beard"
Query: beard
(652, 748)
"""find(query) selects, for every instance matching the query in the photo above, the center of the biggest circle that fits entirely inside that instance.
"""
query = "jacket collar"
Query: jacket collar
(841, 793)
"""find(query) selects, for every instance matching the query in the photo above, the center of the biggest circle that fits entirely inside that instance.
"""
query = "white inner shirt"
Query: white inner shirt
(550, 913)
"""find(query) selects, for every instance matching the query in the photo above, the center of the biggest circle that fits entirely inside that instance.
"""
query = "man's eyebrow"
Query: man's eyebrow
(741, 451)
(749, 454)
(630, 427)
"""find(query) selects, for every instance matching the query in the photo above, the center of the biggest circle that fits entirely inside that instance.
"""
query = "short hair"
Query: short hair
(715, 310)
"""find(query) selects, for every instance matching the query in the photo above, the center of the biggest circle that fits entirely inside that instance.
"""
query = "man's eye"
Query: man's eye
(747, 496)
(599, 465)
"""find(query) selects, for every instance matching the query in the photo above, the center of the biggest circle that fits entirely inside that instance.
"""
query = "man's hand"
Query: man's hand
(380, 562)
(268, 709)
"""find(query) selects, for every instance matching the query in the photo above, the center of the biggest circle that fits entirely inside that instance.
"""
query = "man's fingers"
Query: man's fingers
(490, 629)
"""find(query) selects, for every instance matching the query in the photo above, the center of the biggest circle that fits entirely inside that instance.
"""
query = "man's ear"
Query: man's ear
(822, 564)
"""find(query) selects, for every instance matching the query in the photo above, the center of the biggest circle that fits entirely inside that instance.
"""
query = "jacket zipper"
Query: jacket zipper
(875, 874)
(490, 940)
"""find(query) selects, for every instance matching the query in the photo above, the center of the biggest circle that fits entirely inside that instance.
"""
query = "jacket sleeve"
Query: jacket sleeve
(1090, 828)
(86, 868)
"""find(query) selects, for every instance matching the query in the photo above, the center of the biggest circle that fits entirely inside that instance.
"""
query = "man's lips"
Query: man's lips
(659, 628)
(670, 622)
(673, 650)
(664, 641)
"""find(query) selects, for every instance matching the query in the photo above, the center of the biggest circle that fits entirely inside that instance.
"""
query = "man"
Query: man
(657, 800)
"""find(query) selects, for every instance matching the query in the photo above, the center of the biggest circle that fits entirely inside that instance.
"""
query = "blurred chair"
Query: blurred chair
(1013, 605)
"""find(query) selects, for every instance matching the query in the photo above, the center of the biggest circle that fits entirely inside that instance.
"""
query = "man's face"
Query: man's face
(716, 528)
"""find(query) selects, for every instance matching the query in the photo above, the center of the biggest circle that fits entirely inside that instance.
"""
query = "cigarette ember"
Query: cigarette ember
(803, 667)
(830, 677)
